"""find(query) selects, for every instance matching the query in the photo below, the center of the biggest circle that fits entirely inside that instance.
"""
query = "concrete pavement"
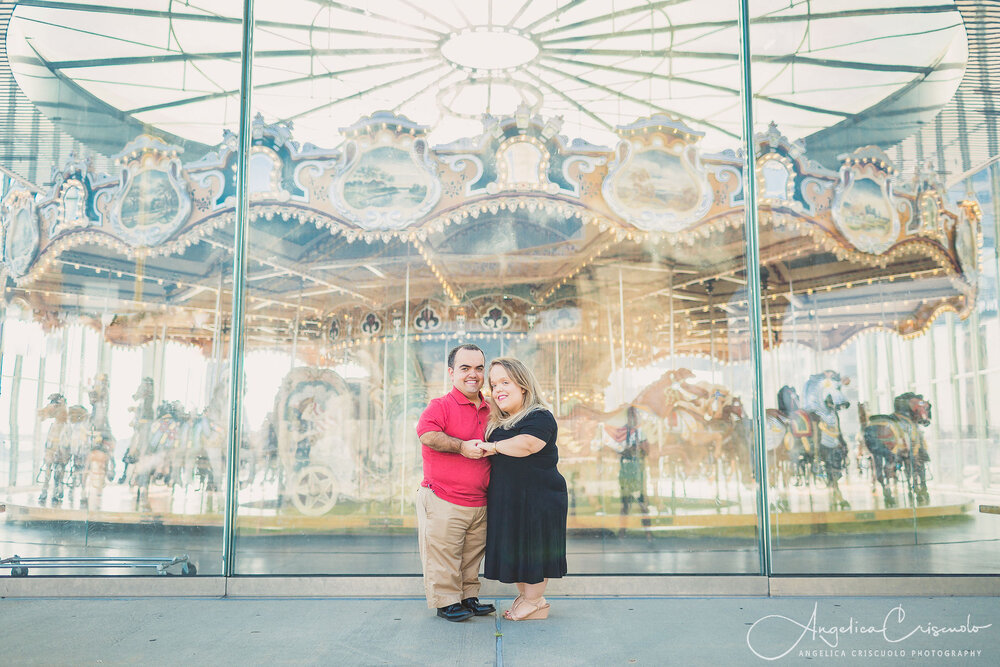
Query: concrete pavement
(579, 631)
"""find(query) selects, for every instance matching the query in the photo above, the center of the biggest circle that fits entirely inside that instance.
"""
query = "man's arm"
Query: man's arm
(443, 442)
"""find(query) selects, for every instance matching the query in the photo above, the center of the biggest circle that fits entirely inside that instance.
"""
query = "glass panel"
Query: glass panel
(519, 176)
(116, 250)
(879, 289)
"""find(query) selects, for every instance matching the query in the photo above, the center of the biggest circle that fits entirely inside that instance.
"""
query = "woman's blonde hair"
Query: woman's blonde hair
(524, 379)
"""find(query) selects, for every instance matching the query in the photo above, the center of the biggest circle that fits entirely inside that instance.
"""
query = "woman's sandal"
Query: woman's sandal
(533, 611)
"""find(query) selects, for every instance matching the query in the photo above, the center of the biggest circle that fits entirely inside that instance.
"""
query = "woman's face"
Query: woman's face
(506, 394)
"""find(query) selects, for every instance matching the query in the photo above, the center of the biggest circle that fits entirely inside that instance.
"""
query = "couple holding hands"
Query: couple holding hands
(490, 488)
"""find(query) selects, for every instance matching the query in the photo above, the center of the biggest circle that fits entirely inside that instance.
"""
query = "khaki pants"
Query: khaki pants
(452, 542)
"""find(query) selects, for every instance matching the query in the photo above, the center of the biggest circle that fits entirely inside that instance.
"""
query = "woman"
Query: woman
(527, 500)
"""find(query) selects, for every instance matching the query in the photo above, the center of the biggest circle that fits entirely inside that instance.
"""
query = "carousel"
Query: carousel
(618, 274)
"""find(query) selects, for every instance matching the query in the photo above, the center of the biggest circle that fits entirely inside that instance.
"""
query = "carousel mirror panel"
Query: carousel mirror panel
(117, 273)
(492, 173)
(878, 295)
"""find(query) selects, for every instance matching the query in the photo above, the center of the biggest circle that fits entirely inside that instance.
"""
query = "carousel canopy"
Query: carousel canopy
(829, 72)
(515, 230)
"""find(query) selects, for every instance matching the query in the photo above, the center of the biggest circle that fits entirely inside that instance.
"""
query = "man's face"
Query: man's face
(468, 373)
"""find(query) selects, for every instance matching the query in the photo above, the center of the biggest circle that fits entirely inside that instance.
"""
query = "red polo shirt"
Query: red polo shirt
(451, 476)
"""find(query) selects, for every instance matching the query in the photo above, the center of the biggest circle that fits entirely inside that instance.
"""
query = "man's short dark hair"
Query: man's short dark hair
(465, 346)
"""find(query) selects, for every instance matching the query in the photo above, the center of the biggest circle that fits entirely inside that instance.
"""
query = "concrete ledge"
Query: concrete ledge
(111, 587)
(880, 586)
(580, 586)
(312, 587)
(573, 586)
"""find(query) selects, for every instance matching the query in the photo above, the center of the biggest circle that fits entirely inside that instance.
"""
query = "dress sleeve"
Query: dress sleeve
(540, 424)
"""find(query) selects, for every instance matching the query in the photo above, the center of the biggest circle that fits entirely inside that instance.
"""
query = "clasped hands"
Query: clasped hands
(477, 449)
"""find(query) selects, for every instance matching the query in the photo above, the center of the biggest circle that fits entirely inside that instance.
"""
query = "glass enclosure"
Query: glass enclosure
(564, 182)
(878, 289)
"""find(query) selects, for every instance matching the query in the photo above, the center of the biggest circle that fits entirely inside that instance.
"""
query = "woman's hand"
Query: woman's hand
(488, 448)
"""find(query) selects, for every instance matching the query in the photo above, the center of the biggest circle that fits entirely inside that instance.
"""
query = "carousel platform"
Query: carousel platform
(701, 509)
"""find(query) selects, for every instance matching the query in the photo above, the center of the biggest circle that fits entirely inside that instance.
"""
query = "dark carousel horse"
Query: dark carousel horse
(897, 443)
(808, 439)
(789, 440)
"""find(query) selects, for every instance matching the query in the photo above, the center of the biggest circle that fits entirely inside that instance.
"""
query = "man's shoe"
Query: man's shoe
(477, 607)
(454, 612)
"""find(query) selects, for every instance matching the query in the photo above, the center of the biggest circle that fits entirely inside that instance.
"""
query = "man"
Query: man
(451, 501)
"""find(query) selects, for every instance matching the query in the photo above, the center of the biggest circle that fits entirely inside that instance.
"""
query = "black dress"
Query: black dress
(526, 508)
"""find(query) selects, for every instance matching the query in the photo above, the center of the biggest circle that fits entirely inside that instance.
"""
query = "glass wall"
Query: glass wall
(519, 177)
(562, 182)
(879, 295)
(118, 291)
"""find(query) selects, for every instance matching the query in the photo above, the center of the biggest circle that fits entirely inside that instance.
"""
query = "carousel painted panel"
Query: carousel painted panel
(20, 231)
(264, 175)
(388, 185)
(658, 187)
(967, 246)
(68, 211)
(865, 209)
(152, 201)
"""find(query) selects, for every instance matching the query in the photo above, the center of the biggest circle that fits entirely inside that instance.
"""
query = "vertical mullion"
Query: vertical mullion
(239, 276)
(754, 291)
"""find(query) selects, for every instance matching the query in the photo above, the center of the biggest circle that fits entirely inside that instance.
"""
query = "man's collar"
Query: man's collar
(462, 398)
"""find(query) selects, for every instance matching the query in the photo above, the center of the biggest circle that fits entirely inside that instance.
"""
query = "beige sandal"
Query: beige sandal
(532, 611)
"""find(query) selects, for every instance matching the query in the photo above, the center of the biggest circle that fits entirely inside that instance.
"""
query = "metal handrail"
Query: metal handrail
(19, 565)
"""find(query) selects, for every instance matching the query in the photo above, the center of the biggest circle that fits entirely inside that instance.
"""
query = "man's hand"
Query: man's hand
(471, 449)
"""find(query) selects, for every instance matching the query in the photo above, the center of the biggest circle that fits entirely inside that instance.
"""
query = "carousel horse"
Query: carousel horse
(896, 442)
(142, 418)
(65, 444)
(823, 402)
(155, 461)
(99, 469)
(681, 430)
(737, 431)
(802, 440)
(687, 425)
(57, 448)
(789, 438)
(100, 397)
(205, 456)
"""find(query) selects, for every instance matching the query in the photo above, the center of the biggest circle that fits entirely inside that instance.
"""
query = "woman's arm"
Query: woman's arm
(520, 446)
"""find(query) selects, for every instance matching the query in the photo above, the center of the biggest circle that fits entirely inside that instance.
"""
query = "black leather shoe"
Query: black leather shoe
(454, 612)
(477, 607)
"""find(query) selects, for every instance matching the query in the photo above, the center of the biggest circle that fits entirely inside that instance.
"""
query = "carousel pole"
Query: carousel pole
(295, 328)
(711, 345)
(241, 231)
(82, 368)
(63, 356)
(406, 389)
(558, 381)
(753, 290)
(15, 433)
(670, 305)
(101, 361)
(216, 338)
(39, 403)
(956, 398)
(817, 341)
(611, 347)
(621, 324)
(161, 366)
(978, 381)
